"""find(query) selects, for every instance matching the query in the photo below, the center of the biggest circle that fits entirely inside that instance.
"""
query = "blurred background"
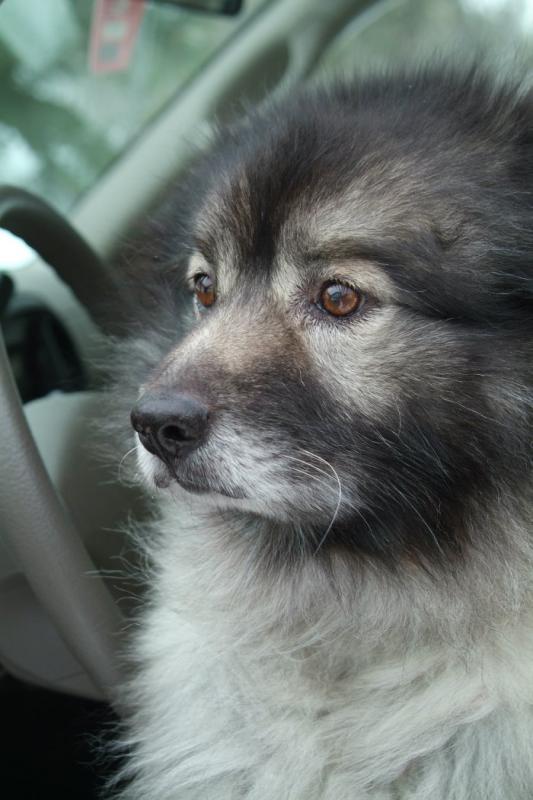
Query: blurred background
(63, 120)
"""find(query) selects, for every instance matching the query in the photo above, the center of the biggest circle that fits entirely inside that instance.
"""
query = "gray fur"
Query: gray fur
(345, 610)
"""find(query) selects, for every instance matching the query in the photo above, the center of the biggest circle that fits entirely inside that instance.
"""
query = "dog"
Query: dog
(331, 374)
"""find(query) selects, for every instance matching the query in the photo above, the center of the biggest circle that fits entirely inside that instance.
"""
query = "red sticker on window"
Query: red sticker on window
(114, 30)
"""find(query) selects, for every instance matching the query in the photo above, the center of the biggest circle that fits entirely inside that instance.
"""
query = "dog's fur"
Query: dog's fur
(345, 611)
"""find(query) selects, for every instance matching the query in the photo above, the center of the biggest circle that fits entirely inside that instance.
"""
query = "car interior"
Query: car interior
(103, 105)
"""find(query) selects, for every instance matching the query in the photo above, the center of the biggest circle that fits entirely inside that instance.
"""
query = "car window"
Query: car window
(402, 32)
(69, 106)
(80, 78)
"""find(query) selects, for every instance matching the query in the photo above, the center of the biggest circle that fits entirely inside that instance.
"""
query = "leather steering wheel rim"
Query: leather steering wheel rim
(48, 548)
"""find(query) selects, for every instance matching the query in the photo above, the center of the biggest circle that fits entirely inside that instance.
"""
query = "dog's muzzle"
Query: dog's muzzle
(170, 425)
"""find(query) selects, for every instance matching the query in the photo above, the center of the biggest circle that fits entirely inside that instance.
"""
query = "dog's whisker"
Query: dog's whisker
(339, 497)
(122, 460)
(310, 465)
(347, 504)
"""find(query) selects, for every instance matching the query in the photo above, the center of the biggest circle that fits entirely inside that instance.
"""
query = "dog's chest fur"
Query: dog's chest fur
(236, 704)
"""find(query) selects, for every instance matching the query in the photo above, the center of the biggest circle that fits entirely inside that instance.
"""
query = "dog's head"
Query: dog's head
(358, 364)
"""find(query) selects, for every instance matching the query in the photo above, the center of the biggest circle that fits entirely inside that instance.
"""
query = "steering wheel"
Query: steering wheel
(43, 538)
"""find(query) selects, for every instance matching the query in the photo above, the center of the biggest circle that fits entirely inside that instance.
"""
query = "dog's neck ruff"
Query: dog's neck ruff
(312, 682)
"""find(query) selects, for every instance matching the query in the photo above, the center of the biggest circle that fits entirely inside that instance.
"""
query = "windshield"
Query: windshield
(80, 78)
(399, 33)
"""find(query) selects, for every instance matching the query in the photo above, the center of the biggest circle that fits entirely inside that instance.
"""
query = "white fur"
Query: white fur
(296, 687)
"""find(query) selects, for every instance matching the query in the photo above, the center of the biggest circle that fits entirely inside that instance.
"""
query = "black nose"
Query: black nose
(169, 424)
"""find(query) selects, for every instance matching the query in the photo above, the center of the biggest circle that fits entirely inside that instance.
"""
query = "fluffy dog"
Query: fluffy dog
(338, 424)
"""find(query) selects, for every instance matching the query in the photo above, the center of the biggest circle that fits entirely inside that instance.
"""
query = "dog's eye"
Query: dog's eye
(204, 289)
(339, 300)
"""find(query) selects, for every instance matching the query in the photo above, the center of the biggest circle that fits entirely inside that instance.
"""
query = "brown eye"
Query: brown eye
(204, 288)
(339, 300)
